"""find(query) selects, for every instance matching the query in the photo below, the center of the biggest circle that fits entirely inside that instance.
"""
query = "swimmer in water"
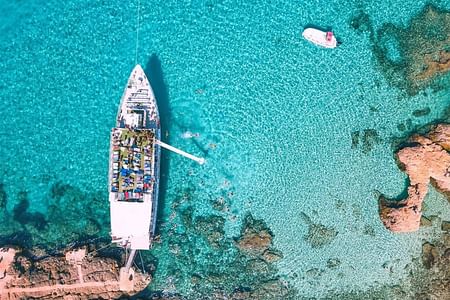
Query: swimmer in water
(189, 135)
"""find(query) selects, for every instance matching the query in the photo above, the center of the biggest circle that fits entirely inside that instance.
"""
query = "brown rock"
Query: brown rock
(255, 237)
(447, 253)
(434, 65)
(440, 135)
(404, 215)
(429, 255)
(69, 277)
(425, 160)
(445, 226)
(424, 221)
(255, 241)
(271, 256)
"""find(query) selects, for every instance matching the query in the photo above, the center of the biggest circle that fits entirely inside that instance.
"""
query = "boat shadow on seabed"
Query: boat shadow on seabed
(155, 75)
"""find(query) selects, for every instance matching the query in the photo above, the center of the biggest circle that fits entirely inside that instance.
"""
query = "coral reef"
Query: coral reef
(62, 223)
(75, 276)
(421, 112)
(434, 281)
(411, 58)
(212, 265)
(255, 237)
(425, 159)
(428, 279)
(318, 234)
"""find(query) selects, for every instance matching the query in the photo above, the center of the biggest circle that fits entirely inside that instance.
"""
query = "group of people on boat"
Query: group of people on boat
(131, 163)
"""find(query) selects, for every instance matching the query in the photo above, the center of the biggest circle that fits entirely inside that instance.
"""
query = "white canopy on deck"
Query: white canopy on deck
(130, 222)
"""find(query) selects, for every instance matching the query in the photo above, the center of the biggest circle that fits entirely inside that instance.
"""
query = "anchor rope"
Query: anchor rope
(137, 31)
(96, 250)
(142, 262)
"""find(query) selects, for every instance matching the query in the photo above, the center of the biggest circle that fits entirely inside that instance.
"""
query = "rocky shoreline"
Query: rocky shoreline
(74, 275)
(433, 281)
(425, 159)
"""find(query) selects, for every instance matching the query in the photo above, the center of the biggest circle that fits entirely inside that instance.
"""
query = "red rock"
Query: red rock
(424, 160)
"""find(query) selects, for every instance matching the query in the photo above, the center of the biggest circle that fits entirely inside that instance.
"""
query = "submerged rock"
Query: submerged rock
(272, 255)
(318, 235)
(425, 159)
(424, 221)
(214, 265)
(361, 22)
(211, 228)
(333, 262)
(421, 48)
(255, 237)
(429, 255)
(421, 112)
(366, 139)
(445, 226)
(433, 282)
(67, 219)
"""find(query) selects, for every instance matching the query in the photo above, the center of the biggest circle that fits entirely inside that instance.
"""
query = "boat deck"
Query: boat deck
(132, 163)
(138, 107)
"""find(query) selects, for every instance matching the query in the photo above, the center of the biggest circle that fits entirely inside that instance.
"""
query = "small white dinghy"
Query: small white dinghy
(321, 38)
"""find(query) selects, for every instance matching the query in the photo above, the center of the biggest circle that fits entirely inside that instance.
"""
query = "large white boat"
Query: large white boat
(321, 38)
(135, 152)
(134, 165)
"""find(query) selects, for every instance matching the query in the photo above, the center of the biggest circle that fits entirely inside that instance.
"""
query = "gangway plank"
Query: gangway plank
(199, 160)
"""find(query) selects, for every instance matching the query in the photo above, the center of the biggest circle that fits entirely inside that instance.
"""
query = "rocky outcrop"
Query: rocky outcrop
(425, 159)
(412, 58)
(254, 239)
(318, 235)
(434, 281)
(75, 276)
(445, 226)
(429, 255)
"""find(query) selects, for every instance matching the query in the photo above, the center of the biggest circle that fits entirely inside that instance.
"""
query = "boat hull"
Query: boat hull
(319, 38)
(134, 165)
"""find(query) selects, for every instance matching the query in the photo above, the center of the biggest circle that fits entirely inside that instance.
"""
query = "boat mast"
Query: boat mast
(181, 152)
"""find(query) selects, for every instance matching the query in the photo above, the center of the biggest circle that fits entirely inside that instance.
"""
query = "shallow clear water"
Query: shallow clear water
(275, 117)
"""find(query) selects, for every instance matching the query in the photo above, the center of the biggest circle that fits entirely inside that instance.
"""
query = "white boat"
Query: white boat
(134, 160)
(321, 38)
(134, 165)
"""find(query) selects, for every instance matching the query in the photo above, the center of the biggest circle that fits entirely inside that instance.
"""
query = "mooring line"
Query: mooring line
(137, 31)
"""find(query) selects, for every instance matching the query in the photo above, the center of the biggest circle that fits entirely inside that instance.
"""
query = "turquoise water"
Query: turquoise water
(275, 117)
